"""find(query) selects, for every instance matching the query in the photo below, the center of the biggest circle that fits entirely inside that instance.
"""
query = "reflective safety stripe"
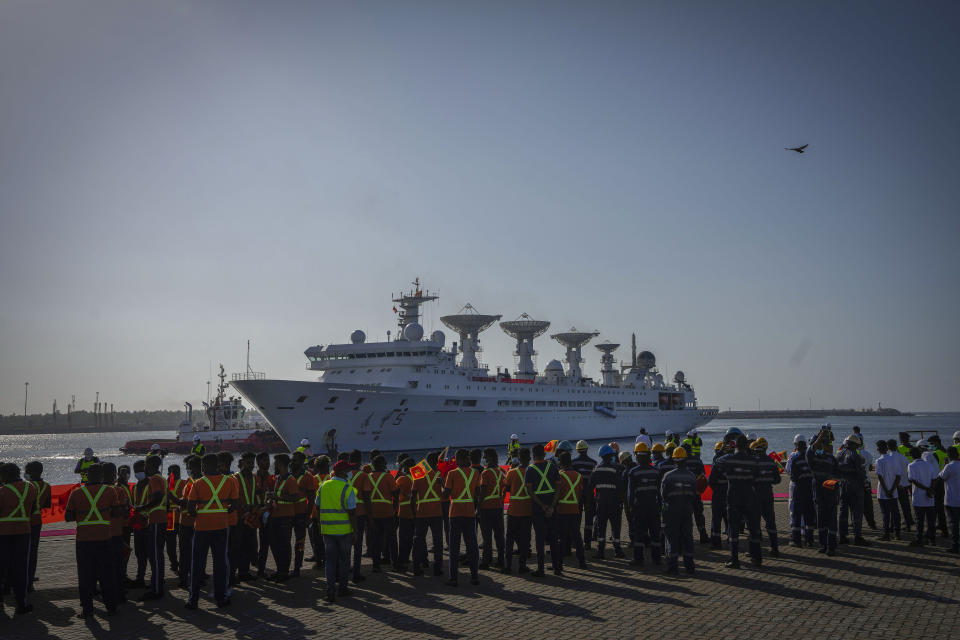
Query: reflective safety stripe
(401, 502)
(571, 497)
(163, 501)
(94, 509)
(333, 508)
(431, 493)
(42, 487)
(282, 485)
(19, 513)
(215, 498)
(543, 480)
(376, 494)
(495, 495)
(522, 491)
(248, 496)
(604, 486)
(299, 480)
(466, 495)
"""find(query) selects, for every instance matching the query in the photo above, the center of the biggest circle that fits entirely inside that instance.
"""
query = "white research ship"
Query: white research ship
(412, 393)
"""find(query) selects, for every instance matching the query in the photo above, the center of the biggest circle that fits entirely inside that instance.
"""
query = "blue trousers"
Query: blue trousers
(769, 517)
(156, 536)
(954, 514)
(678, 530)
(96, 562)
(337, 555)
(280, 530)
(545, 531)
(926, 516)
(435, 526)
(826, 502)
(491, 527)
(612, 513)
(851, 506)
(718, 514)
(891, 515)
(518, 532)
(15, 565)
(214, 542)
(803, 515)
(737, 515)
(646, 530)
(466, 528)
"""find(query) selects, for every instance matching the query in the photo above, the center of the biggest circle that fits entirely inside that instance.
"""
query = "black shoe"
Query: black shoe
(134, 584)
(598, 555)
(775, 553)
(916, 543)
(756, 561)
(831, 552)
(484, 567)
(451, 583)
(357, 579)
(860, 542)
(704, 538)
(690, 570)
(537, 574)
(506, 570)
(822, 550)
(331, 598)
(376, 568)
(24, 609)
(85, 615)
(733, 564)
(344, 593)
(885, 537)
(150, 595)
(953, 549)
(223, 603)
(636, 562)
(523, 569)
(246, 577)
(716, 545)
(794, 543)
(582, 565)
(474, 581)
(619, 554)
(418, 571)
(671, 571)
(191, 605)
(896, 536)
(843, 540)
(558, 572)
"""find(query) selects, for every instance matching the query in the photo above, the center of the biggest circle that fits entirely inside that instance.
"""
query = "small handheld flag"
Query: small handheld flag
(421, 469)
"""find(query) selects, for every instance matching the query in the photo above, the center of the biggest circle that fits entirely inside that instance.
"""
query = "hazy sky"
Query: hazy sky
(177, 177)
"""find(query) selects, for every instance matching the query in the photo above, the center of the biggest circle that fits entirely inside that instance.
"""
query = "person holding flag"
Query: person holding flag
(426, 505)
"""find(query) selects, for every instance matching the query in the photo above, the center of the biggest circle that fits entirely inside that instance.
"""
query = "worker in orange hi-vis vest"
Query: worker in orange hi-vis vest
(212, 498)
(491, 509)
(17, 499)
(519, 520)
(243, 536)
(92, 506)
(405, 513)
(306, 489)
(118, 522)
(153, 508)
(462, 485)
(427, 505)
(33, 473)
(379, 489)
(321, 473)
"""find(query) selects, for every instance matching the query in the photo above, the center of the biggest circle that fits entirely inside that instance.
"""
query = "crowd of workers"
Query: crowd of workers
(557, 498)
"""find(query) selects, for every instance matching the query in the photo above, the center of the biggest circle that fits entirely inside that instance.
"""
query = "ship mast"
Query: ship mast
(409, 304)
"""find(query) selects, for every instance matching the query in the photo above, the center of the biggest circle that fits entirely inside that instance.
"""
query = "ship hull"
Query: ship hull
(396, 419)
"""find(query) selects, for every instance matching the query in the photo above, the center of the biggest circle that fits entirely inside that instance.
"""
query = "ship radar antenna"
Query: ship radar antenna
(607, 372)
(468, 322)
(409, 303)
(524, 329)
(574, 340)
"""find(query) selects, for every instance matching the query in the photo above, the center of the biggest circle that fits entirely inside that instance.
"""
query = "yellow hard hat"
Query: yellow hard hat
(657, 448)
(679, 453)
(718, 446)
(582, 445)
(641, 447)
(624, 456)
(670, 447)
(759, 443)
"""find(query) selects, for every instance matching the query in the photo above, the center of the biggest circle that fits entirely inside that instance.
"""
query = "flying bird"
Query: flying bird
(797, 149)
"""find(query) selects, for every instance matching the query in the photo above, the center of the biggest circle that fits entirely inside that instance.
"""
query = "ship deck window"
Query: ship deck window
(301, 398)
(449, 402)
(552, 403)
(516, 403)
(332, 399)
(541, 403)
(469, 403)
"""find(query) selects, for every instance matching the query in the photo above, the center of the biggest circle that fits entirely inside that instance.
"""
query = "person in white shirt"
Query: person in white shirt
(867, 493)
(888, 481)
(951, 483)
(903, 493)
(921, 475)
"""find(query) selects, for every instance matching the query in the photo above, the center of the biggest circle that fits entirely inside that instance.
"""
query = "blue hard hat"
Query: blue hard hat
(606, 450)
(732, 431)
(563, 445)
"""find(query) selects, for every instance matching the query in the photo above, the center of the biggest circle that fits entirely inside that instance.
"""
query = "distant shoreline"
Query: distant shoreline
(814, 413)
(48, 429)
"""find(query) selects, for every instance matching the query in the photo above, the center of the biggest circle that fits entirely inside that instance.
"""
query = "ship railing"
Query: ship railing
(248, 375)
(708, 408)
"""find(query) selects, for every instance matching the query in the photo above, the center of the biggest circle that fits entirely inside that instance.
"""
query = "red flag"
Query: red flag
(395, 310)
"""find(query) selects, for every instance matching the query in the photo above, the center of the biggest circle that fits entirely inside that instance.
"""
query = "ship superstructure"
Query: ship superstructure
(412, 392)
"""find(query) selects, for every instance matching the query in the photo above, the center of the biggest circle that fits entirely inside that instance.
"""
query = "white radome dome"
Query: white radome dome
(413, 332)
(438, 337)
(358, 337)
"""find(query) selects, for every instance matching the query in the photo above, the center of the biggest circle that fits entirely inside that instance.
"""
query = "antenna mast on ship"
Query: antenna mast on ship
(409, 304)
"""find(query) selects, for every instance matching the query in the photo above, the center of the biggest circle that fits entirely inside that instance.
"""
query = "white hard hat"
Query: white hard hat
(514, 436)
(956, 435)
(799, 438)
(668, 433)
(645, 439)
(751, 437)
(692, 432)
(154, 447)
(923, 445)
(851, 439)
(196, 437)
(304, 443)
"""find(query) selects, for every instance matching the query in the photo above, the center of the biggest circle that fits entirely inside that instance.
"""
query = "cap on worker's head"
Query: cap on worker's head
(606, 450)
(343, 466)
(718, 446)
(797, 439)
(679, 453)
(88, 451)
(514, 436)
(641, 447)
(196, 437)
(657, 448)
(624, 456)
(759, 443)
(582, 445)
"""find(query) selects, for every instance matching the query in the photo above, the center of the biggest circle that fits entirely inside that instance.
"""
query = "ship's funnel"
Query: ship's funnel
(468, 322)
(524, 329)
(573, 340)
